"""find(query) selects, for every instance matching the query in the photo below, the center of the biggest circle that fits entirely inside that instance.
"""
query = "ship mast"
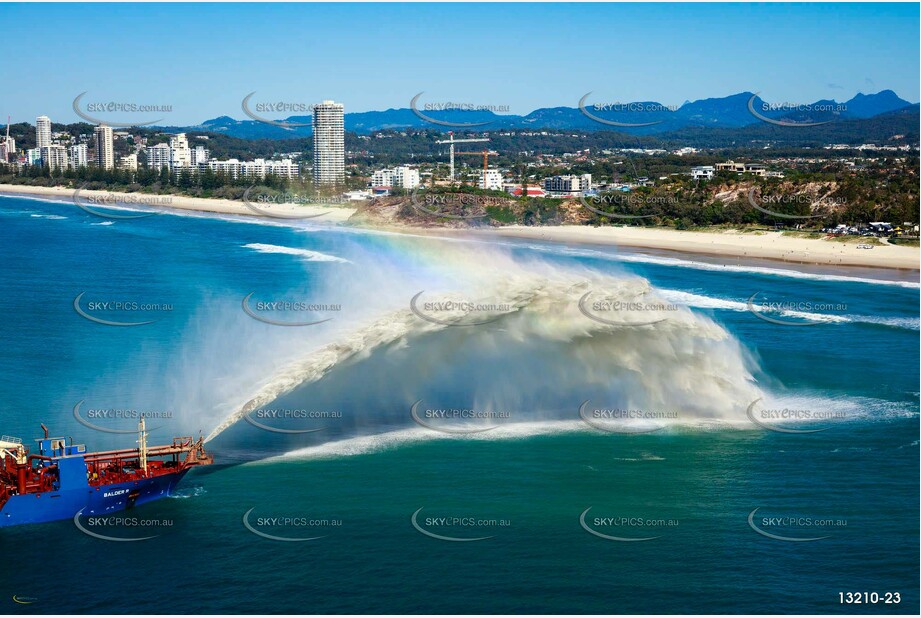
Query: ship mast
(142, 445)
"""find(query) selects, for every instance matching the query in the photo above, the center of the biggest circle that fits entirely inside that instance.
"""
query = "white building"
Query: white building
(230, 168)
(200, 154)
(78, 156)
(158, 156)
(105, 148)
(568, 185)
(54, 157)
(490, 179)
(34, 156)
(357, 196)
(42, 131)
(403, 177)
(7, 149)
(260, 168)
(329, 143)
(128, 162)
(180, 153)
(382, 178)
(703, 172)
(742, 168)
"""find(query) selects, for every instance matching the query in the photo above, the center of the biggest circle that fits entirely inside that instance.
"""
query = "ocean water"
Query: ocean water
(694, 507)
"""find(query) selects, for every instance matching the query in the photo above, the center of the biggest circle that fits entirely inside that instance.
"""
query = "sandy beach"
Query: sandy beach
(333, 213)
(730, 244)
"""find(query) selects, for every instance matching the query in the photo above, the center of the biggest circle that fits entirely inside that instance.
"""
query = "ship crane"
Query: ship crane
(453, 141)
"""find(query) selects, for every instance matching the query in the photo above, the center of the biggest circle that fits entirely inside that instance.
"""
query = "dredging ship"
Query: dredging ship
(62, 479)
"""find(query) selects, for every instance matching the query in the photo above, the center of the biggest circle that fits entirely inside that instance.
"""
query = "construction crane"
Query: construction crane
(453, 141)
(485, 154)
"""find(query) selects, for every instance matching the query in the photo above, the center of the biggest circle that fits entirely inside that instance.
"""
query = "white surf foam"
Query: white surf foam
(306, 254)
(389, 440)
(764, 270)
(850, 409)
(699, 301)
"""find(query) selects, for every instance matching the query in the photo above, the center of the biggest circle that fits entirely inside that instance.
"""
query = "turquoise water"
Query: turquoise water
(357, 482)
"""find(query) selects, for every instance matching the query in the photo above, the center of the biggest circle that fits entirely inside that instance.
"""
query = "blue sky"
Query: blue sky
(202, 59)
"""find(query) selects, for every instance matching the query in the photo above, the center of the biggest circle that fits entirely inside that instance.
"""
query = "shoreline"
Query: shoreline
(732, 244)
(772, 246)
(146, 202)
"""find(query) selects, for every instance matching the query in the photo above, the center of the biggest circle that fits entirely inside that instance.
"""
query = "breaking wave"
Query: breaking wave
(306, 254)
(699, 301)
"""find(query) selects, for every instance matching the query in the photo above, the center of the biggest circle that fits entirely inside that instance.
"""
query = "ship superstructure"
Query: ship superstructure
(61, 479)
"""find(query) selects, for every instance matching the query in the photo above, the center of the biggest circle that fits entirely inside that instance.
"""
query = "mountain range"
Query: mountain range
(719, 113)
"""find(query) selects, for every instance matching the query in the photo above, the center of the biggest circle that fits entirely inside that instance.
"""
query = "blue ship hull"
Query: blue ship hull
(66, 503)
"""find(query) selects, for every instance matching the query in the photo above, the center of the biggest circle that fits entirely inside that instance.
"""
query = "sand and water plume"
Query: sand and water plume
(507, 341)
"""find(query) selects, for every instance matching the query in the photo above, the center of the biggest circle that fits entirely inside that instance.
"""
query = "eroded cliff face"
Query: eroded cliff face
(663, 204)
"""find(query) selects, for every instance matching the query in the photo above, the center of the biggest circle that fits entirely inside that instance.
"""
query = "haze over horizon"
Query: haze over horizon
(203, 59)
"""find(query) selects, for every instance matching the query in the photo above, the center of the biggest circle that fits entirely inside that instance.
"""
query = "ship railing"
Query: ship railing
(182, 442)
(13, 439)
